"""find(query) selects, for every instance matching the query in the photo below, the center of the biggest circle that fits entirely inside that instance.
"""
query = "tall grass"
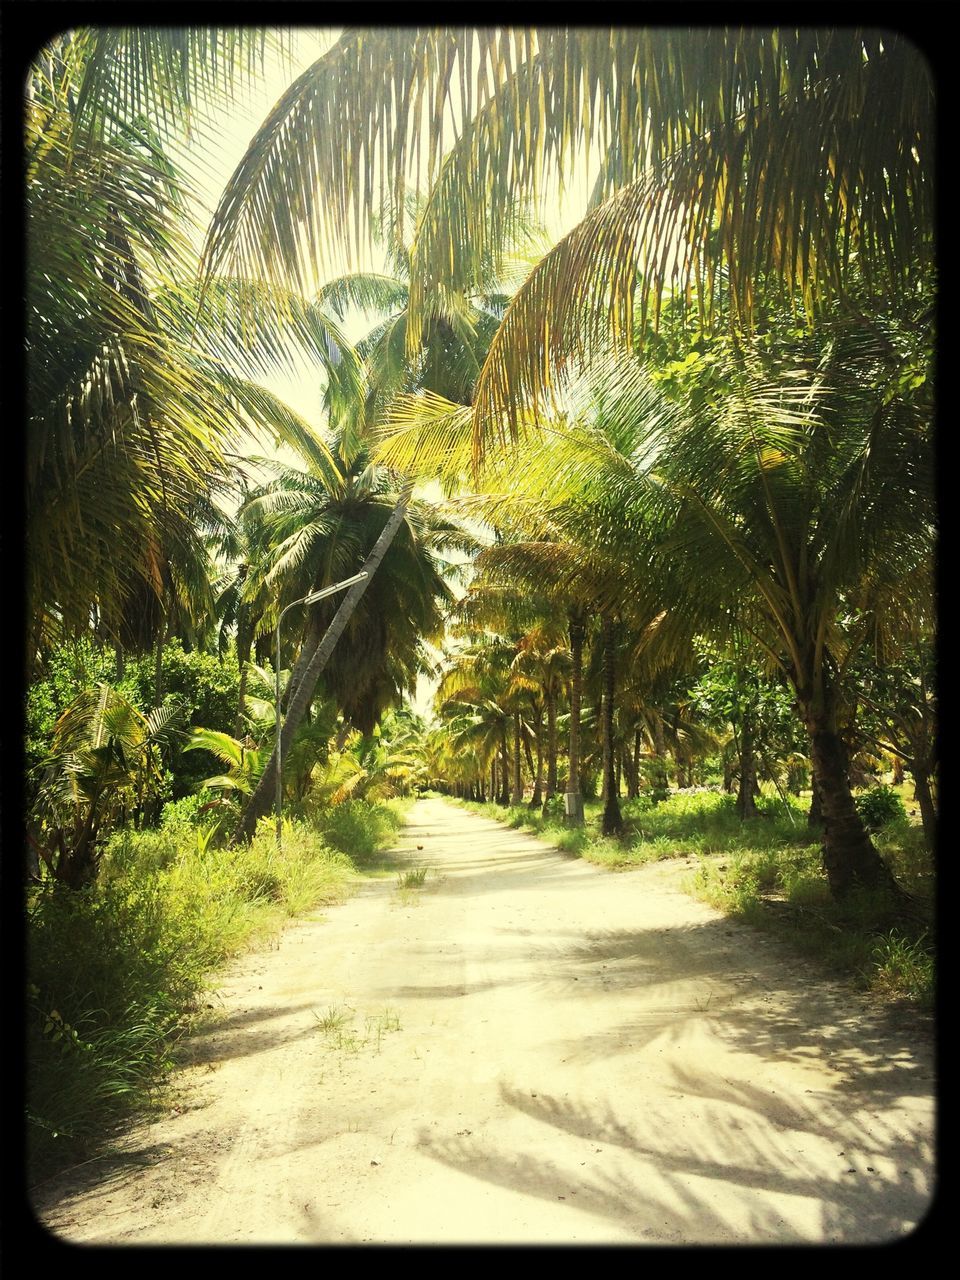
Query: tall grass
(116, 970)
(360, 828)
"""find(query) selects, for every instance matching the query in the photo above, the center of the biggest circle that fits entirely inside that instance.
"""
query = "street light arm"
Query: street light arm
(322, 593)
(310, 598)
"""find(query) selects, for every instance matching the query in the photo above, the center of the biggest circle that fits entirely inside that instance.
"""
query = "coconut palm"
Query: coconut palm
(135, 389)
(729, 156)
(809, 501)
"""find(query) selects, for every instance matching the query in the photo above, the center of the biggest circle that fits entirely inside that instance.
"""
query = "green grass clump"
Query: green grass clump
(902, 968)
(413, 879)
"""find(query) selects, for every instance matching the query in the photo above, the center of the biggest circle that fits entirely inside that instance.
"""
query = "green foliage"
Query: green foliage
(105, 763)
(359, 827)
(880, 806)
(197, 689)
(70, 669)
(209, 684)
(553, 809)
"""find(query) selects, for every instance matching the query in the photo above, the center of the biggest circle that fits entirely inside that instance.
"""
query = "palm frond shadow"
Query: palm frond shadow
(678, 1202)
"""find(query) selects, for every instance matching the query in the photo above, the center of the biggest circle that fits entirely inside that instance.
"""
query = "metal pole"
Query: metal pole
(307, 599)
(279, 791)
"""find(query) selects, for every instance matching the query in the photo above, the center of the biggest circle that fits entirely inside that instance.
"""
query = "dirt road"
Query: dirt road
(526, 1050)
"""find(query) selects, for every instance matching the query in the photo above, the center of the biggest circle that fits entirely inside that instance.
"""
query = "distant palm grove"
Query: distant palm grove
(645, 509)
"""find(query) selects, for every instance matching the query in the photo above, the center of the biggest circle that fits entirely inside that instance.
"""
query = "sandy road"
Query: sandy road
(527, 1050)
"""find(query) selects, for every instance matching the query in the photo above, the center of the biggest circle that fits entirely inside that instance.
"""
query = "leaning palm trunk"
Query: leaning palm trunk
(300, 697)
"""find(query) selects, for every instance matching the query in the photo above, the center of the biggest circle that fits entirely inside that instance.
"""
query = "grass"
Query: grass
(170, 907)
(346, 1035)
(413, 879)
(767, 872)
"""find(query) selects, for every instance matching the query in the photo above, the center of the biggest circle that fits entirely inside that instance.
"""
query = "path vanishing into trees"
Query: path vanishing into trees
(527, 1049)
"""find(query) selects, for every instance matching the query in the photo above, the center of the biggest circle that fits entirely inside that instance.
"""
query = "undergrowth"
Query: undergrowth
(115, 970)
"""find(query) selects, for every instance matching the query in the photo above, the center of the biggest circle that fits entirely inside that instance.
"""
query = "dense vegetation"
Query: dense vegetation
(687, 529)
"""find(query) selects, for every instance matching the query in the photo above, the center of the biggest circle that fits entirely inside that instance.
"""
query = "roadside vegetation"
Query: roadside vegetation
(170, 907)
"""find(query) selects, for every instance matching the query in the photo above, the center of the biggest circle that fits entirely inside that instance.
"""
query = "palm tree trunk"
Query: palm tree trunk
(299, 699)
(631, 767)
(746, 804)
(536, 800)
(244, 642)
(661, 782)
(815, 815)
(849, 857)
(158, 667)
(504, 797)
(612, 817)
(928, 809)
(517, 794)
(574, 798)
(550, 698)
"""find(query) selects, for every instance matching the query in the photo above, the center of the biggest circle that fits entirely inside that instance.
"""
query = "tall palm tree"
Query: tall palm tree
(324, 525)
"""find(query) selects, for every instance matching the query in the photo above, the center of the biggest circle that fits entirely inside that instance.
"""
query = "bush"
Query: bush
(879, 807)
(553, 809)
(359, 828)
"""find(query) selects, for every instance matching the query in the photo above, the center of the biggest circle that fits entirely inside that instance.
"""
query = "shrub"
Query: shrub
(879, 807)
(553, 809)
(359, 828)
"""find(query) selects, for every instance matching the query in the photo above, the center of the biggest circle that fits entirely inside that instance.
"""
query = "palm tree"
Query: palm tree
(135, 389)
(324, 525)
(729, 156)
(478, 681)
(809, 501)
